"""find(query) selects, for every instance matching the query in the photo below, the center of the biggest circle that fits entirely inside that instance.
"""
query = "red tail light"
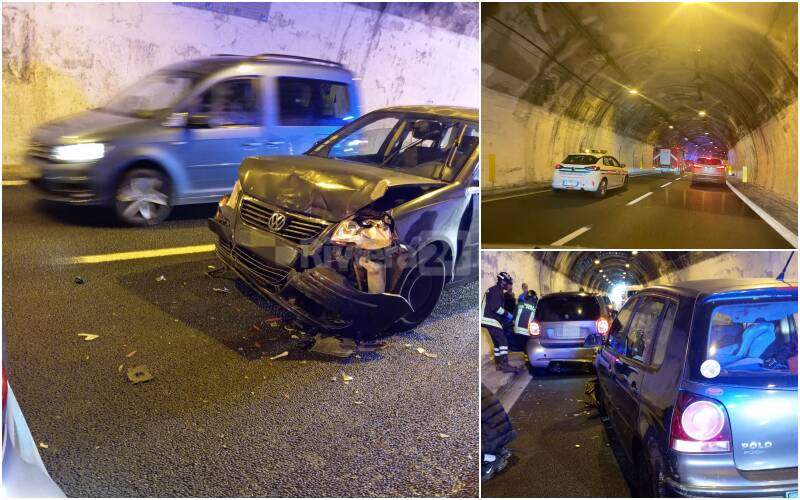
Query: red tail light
(594, 167)
(534, 329)
(557, 166)
(699, 425)
(720, 167)
(602, 326)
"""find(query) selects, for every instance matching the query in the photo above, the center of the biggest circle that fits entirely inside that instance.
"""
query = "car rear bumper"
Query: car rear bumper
(716, 475)
(541, 356)
(712, 179)
(319, 296)
(584, 181)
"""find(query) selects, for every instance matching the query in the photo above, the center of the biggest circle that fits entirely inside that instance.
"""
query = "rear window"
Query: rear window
(580, 160)
(710, 161)
(309, 102)
(751, 344)
(575, 308)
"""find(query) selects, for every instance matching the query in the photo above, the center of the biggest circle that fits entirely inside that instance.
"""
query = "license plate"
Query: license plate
(570, 183)
(791, 494)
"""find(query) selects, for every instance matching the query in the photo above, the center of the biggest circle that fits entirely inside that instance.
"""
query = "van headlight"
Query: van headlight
(367, 232)
(88, 151)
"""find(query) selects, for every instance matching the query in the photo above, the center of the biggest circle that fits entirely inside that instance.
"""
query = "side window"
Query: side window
(664, 333)
(616, 338)
(615, 162)
(607, 161)
(469, 141)
(642, 330)
(310, 102)
(230, 103)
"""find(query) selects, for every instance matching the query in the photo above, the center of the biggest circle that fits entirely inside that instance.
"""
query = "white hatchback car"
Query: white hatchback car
(593, 171)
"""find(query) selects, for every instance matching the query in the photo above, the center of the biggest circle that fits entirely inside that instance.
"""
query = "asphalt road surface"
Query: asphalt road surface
(562, 449)
(220, 418)
(669, 213)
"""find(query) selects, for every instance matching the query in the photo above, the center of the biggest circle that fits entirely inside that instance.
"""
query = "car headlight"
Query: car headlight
(369, 233)
(88, 151)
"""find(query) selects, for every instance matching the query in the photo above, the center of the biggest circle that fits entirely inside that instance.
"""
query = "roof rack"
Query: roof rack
(285, 57)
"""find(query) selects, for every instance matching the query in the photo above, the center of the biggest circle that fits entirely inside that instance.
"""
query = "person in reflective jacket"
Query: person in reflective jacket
(494, 315)
(526, 307)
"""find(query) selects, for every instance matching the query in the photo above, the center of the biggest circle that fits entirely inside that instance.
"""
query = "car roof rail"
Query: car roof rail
(288, 58)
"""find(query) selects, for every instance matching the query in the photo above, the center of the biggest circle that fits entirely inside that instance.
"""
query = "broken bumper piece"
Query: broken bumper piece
(319, 296)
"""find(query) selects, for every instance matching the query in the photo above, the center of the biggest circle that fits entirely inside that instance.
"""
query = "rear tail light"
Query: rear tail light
(534, 329)
(720, 167)
(602, 326)
(699, 425)
(557, 166)
(594, 167)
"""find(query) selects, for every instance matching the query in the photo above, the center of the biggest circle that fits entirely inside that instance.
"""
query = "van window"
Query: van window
(754, 343)
(230, 103)
(309, 102)
(664, 333)
(643, 327)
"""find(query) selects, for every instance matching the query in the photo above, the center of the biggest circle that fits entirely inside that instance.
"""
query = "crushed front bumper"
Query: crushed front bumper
(320, 296)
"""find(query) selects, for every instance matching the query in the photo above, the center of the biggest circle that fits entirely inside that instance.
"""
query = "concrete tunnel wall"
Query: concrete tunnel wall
(735, 265)
(62, 58)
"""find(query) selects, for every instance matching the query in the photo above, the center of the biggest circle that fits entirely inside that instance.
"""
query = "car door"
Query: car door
(630, 369)
(307, 110)
(225, 125)
(613, 348)
(615, 171)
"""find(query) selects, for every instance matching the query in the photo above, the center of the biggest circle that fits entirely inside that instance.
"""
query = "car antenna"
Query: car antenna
(783, 273)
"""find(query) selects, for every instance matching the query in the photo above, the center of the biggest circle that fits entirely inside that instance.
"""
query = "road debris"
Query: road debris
(43, 445)
(422, 351)
(295, 337)
(346, 379)
(88, 337)
(577, 446)
(78, 280)
(332, 346)
(406, 346)
(443, 435)
(139, 374)
(161, 278)
(120, 367)
(358, 402)
(281, 355)
(372, 345)
(224, 289)
(130, 354)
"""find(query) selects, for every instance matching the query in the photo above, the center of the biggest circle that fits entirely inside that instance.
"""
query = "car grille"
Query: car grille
(225, 247)
(264, 274)
(39, 150)
(296, 229)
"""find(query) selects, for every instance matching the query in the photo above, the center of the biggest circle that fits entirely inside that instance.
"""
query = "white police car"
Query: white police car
(593, 170)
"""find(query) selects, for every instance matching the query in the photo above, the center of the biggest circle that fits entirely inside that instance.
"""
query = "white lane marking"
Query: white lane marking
(637, 200)
(570, 236)
(667, 184)
(140, 254)
(490, 200)
(773, 223)
(15, 183)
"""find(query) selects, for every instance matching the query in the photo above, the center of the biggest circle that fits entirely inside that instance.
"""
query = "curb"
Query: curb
(785, 233)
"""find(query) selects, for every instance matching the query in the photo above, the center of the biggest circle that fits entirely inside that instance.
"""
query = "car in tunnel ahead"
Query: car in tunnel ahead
(593, 171)
(177, 136)
(566, 330)
(708, 171)
(359, 236)
(699, 382)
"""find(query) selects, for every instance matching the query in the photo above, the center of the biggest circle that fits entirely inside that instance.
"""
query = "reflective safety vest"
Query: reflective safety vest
(526, 308)
(492, 307)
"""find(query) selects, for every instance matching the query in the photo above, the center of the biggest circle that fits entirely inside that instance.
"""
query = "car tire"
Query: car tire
(601, 189)
(143, 197)
(422, 286)
(649, 477)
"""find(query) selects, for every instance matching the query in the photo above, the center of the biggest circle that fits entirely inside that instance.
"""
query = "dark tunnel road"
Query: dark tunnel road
(656, 211)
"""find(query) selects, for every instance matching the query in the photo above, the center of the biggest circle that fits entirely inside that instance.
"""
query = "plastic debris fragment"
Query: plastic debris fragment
(139, 374)
(281, 355)
(161, 278)
(88, 337)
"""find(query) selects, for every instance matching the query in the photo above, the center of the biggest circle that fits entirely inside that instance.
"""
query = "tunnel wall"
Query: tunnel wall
(63, 58)
(770, 154)
(735, 265)
(525, 141)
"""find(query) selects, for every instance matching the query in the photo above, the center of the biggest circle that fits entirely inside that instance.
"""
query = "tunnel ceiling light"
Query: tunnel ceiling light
(671, 126)
(627, 265)
(706, 133)
(701, 113)
(634, 252)
(596, 261)
(633, 91)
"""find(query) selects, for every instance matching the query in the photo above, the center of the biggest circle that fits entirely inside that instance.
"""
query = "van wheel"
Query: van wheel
(601, 189)
(649, 477)
(421, 287)
(143, 197)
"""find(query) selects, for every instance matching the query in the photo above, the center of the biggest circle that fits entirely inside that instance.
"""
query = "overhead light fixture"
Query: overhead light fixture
(627, 265)
(685, 138)
(634, 252)
(701, 113)
(706, 133)
(596, 261)
(633, 91)
(671, 126)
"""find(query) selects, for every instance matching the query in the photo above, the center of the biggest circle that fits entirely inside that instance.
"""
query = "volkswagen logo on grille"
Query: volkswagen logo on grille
(276, 221)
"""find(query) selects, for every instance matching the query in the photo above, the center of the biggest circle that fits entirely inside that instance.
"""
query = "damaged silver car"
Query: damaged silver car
(359, 236)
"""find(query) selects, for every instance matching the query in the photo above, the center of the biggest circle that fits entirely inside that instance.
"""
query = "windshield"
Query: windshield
(751, 343)
(575, 308)
(151, 95)
(580, 160)
(423, 145)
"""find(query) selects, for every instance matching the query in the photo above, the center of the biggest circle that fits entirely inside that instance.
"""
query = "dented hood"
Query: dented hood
(320, 187)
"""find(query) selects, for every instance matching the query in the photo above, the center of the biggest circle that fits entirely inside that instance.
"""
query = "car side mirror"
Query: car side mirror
(195, 120)
(175, 120)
